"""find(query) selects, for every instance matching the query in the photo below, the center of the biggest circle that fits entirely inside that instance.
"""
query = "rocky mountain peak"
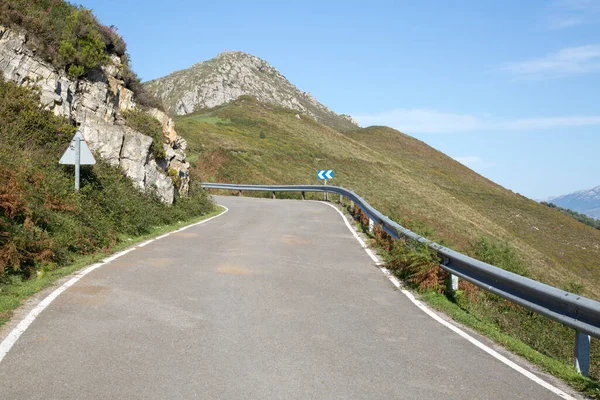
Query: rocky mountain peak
(232, 74)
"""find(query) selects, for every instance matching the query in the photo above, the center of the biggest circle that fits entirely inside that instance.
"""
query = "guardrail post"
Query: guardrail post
(453, 284)
(371, 225)
(303, 196)
(274, 195)
(352, 204)
(582, 353)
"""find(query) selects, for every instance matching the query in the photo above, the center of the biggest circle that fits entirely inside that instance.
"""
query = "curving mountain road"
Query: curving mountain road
(272, 300)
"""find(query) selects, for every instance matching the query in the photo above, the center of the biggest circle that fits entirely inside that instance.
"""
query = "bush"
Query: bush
(81, 47)
(174, 175)
(499, 254)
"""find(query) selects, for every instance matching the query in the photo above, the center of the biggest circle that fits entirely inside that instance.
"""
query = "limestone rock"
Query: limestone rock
(180, 143)
(349, 118)
(95, 104)
(231, 75)
(104, 139)
(159, 182)
(170, 153)
(167, 123)
(134, 156)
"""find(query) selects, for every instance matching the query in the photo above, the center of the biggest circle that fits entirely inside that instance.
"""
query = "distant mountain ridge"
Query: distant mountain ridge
(584, 201)
(231, 75)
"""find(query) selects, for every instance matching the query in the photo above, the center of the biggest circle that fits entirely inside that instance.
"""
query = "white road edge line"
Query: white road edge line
(447, 324)
(16, 333)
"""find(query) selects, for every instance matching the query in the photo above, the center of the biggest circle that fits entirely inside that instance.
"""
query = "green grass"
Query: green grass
(207, 119)
(17, 289)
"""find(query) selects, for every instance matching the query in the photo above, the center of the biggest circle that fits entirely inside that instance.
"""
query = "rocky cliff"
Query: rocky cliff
(95, 103)
(231, 75)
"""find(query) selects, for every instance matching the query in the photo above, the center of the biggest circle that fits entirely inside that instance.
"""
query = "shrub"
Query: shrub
(417, 264)
(81, 44)
(499, 254)
(174, 175)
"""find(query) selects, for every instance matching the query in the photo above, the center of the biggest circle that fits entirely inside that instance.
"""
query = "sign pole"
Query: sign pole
(78, 153)
(325, 193)
(77, 161)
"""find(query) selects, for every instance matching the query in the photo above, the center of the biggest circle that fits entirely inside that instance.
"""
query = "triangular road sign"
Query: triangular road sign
(85, 155)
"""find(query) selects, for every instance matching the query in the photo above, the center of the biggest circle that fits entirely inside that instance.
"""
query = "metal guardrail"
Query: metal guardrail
(577, 312)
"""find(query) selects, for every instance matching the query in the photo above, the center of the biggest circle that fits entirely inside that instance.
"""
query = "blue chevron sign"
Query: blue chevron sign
(325, 174)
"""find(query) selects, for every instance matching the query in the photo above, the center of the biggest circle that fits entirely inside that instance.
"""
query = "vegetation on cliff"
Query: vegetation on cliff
(43, 222)
(71, 38)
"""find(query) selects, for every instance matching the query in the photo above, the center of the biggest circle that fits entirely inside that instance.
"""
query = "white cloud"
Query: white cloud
(431, 121)
(565, 62)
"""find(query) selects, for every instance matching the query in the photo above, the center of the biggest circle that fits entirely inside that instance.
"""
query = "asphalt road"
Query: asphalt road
(273, 300)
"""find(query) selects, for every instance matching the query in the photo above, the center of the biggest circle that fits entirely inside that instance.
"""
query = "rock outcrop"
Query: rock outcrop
(95, 103)
(231, 75)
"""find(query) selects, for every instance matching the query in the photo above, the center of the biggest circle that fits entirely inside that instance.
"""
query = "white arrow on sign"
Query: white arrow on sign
(86, 156)
(325, 174)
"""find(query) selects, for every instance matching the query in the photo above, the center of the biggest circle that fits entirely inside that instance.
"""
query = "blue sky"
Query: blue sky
(509, 88)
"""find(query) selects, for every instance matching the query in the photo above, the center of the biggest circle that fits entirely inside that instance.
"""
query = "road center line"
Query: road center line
(447, 324)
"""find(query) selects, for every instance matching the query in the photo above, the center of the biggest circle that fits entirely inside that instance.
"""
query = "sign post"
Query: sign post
(77, 161)
(325, 174)
(78, 153)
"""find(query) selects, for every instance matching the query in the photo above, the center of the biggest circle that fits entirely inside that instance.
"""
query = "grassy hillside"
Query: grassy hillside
(44, 224)
(249, 142)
